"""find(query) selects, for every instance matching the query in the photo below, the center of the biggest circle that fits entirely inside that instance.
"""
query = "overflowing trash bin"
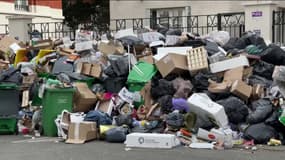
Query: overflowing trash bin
(153, 89)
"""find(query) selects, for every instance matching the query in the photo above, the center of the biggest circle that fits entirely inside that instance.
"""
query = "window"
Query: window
(170, 17)
(22, 5)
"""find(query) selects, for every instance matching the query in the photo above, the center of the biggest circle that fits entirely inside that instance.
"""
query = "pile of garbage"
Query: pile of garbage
(156, 89)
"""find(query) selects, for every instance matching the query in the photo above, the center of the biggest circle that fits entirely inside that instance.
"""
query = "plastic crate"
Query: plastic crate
(8, 126)
(54, 102)
(197, 60)
(9, 100)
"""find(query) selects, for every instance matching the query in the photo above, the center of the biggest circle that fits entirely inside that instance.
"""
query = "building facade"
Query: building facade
(40, 10)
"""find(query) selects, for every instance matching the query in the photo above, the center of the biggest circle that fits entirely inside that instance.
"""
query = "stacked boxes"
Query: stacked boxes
(197, 60)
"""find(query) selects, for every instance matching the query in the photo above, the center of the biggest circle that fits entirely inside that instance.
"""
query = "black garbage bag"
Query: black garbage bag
(263, 69)
(211, 48)
(255, 79)
(175, 32)
(110, 72)
(11, 75)
(273, 54)
(217, 96)
(60, 66)
(200, 81)
(165, 102)
(117, 135)
(114, 84)
(175, 120)
(262, 108)
(274, 122)
(98, 88)
(63, 77)
(120, 66)
(125, 119)
(130, 40)
(194, 43)
(260, 133)
(236, 110)
(161, 88)
(231, 44)
(251, 38)
(161, 29)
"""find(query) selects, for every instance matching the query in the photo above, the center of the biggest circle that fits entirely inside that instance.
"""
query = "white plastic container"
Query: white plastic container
(203, 106)
(151, 140)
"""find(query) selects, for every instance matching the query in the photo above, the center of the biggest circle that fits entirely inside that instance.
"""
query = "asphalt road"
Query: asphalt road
(20, 148)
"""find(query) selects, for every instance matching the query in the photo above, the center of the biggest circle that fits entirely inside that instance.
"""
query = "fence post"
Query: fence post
(273, 26)
(219, 22)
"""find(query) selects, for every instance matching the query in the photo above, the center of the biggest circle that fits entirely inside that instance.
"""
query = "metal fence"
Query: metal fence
(278, 27)
(202, 24)
(52, 30)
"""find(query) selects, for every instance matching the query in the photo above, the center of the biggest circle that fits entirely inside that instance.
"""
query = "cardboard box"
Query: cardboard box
(79, 133)
(148, 59)
(229, 64)
(86, 68)
(164, 51)
(151, 140)
(258, 92)
(218, 87)
(203, 106)
(111, 47)
(241, 89)
(247, 72)
(93, 70)
(197, 59)
(6, 42)
(96, 70)
(172, 63)
(105, 106)
(233, 74)
(84, 99)
(214, 135)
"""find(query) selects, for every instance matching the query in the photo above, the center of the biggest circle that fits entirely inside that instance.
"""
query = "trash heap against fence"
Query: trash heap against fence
(156, 89)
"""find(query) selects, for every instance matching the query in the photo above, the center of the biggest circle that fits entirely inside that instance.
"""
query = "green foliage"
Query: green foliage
(93, 14)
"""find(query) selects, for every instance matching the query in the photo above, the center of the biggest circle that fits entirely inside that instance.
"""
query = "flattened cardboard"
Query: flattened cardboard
(241, 89)
(84, 99)
(233, 74)
(79, 133)
(172, 63)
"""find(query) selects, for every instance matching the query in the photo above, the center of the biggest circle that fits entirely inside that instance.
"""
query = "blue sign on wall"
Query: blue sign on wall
(256, 14)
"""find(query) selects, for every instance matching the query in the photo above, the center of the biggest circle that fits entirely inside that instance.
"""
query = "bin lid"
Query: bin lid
(142, 72)
(8, 86)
